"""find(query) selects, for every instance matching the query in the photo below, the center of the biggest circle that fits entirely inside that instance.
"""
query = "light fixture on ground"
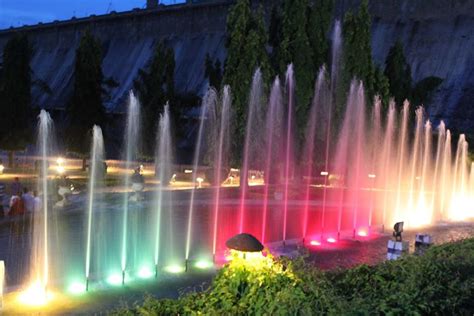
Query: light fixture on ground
(244, 243)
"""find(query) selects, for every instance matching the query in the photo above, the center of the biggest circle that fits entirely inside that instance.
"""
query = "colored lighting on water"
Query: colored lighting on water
(203, 264)
(145, 273)
(315, 243)
(35, 295)
(331, 240)
(174, 268)
(362, 233)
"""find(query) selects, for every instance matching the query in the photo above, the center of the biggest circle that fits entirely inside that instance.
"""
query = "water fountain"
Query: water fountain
(95, 176)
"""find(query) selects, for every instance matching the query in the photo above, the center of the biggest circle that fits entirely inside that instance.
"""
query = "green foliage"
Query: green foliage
(398, 72)
(246, 51)
(319, 22)
(441, 282)
(295, 48)
(423, 89)
(15, 94)
(382, 87)
(155, 87)
(213, 72)
(357, 53)
(85, 108)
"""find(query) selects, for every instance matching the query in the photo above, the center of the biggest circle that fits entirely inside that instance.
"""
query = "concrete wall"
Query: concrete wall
(438, 36)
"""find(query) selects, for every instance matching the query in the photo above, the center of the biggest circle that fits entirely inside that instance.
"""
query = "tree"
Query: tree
(213, 72)
(295, 48)
(398, 72)
(357, 62)
(319, 22)
(246, 51)
(382, 87)
(85, 108)
(155, 87)
(15, 96)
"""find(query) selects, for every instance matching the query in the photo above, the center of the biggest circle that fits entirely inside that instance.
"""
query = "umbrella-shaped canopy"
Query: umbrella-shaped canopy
(244, 242)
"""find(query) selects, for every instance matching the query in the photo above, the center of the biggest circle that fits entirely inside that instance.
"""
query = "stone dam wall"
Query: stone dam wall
(438, 36)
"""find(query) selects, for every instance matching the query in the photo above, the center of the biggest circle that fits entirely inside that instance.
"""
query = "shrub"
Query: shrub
(440, 282)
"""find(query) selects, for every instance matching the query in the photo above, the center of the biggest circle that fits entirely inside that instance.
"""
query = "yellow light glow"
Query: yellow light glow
(174, 269)
(35, 295)
(188, 171)
(60, 161)
(60, 169)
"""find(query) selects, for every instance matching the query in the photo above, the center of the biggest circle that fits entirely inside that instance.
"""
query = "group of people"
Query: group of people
(21, 201)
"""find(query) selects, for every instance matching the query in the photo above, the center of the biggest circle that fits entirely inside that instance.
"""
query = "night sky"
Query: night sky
(19, 12)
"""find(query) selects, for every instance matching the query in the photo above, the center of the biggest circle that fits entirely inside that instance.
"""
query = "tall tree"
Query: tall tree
(246, 51)
(15, 96)
(357, 51)
(85, 108)
(155, 87)
(398, 72)
(295, 48)
(319, 22)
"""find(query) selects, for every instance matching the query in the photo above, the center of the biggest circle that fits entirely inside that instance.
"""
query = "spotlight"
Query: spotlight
(324, 173)
(2, 167)
(397, 231)
(60, 169)
(372, 176)
(60, 161)
(200, 181)
(331, 240)
(362, 233)
(315, 243)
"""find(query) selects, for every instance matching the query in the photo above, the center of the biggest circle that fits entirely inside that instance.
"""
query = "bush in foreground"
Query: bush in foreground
(441, 282)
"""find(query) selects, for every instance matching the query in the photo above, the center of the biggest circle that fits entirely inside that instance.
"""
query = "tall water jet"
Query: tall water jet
(40, 256)
(96, 163)
(209, 101)
(445, 174)
(423, 210)
(290, 88)
(310, 144)
(359, 129)
(376, 143)
(221, 158)
(131, 151)
(163, 161)
(273, 130)
(386, 159)
(402, 148)
(415, 163)
(438, 164)
(252, 140)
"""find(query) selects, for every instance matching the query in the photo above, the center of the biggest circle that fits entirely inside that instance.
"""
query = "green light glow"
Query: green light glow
(115, 279)
(174, 268)
(203, 264)
(77, 288)
(145, 273)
